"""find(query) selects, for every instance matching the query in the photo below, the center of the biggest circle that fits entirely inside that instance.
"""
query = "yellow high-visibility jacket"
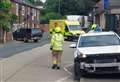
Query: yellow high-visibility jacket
(93, 26)
(57, 41)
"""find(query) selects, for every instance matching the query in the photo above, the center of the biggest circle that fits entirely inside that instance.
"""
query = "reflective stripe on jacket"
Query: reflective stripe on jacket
(57, 41)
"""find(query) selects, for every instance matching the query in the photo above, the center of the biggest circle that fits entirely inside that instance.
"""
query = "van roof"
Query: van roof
(71, 22)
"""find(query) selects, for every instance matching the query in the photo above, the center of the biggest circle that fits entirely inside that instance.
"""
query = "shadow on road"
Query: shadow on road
(103, 76)
(96, 76)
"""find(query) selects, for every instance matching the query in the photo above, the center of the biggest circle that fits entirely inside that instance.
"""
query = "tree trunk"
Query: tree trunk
(1, 35)
(4, 36)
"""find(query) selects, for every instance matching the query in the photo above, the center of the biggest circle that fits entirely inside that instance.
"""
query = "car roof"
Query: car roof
(98, 33)
(29, 28)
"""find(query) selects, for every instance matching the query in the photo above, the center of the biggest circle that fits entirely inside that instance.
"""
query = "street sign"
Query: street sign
(106, 4)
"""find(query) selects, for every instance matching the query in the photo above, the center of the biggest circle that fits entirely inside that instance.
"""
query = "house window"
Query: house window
(33, 11)
(23, 10)
(28, 12)
(37, 15)
(17, 9)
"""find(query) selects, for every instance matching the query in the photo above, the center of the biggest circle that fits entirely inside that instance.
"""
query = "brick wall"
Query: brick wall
(44, 27)
(9, 36)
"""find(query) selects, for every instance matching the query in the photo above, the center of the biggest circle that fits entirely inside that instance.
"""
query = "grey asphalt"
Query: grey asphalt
(14, 47)
(33, 66)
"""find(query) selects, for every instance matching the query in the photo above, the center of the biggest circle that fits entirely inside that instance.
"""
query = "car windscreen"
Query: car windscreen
(74, 27)
(99, 40)
(34, 31)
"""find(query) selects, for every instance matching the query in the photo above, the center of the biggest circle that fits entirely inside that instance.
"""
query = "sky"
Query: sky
(43, 0)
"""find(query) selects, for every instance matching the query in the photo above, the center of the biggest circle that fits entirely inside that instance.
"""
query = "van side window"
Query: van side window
(66, 29)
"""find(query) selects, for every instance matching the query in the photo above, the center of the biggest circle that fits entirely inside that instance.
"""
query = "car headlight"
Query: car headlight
(81, 55)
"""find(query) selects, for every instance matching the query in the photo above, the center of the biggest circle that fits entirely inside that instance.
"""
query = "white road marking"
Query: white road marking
(1, 72)
(66, 70)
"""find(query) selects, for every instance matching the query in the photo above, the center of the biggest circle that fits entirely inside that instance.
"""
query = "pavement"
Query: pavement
(30, 66)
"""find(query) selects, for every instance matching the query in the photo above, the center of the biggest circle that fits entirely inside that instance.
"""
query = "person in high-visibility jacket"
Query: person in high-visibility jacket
(57, 42)
(52, 31)
(96, 28)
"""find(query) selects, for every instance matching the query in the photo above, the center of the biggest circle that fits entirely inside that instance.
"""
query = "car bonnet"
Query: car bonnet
(100, 49)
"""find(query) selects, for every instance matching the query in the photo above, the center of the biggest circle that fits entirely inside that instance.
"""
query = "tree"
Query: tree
(30, 1)
(13, 19)
(5, 17)
(51, 5)
(51, 15)
(66, 7)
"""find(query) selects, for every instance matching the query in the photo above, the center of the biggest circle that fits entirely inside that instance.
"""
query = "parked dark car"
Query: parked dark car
(26, 34)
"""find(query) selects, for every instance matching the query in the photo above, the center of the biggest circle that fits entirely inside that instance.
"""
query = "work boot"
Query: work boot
(54, 66)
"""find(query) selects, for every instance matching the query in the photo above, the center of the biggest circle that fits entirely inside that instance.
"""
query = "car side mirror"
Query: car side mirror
(73, 46)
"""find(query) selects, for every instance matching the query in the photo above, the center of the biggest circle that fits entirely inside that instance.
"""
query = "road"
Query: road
(39, 68)
(94, 78)
(14, 47)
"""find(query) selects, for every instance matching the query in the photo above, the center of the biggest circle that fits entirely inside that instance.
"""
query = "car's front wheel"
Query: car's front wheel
(77, 72)
(25, 39)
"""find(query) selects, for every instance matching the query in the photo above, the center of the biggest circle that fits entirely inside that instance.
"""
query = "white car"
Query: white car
(97, 52)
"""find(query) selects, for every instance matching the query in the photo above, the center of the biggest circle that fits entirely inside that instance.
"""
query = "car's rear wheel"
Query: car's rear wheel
(36, 40)
(15, 39)
(25, 40)
(77, 72)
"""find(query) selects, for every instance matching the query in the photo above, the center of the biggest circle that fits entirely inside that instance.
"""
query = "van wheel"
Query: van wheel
(15, 39)
(77, 72)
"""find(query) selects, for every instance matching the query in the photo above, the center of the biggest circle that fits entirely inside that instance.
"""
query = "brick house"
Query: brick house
(110, 20)
(27, 17)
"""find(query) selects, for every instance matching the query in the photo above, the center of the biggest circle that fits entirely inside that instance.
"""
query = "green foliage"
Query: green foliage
(30, 1)
(51, 5)
(5, 15)
(5, 5)
(52, 15)
(5, 21)
(66, 7)
(13, 17)
(43, 20)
